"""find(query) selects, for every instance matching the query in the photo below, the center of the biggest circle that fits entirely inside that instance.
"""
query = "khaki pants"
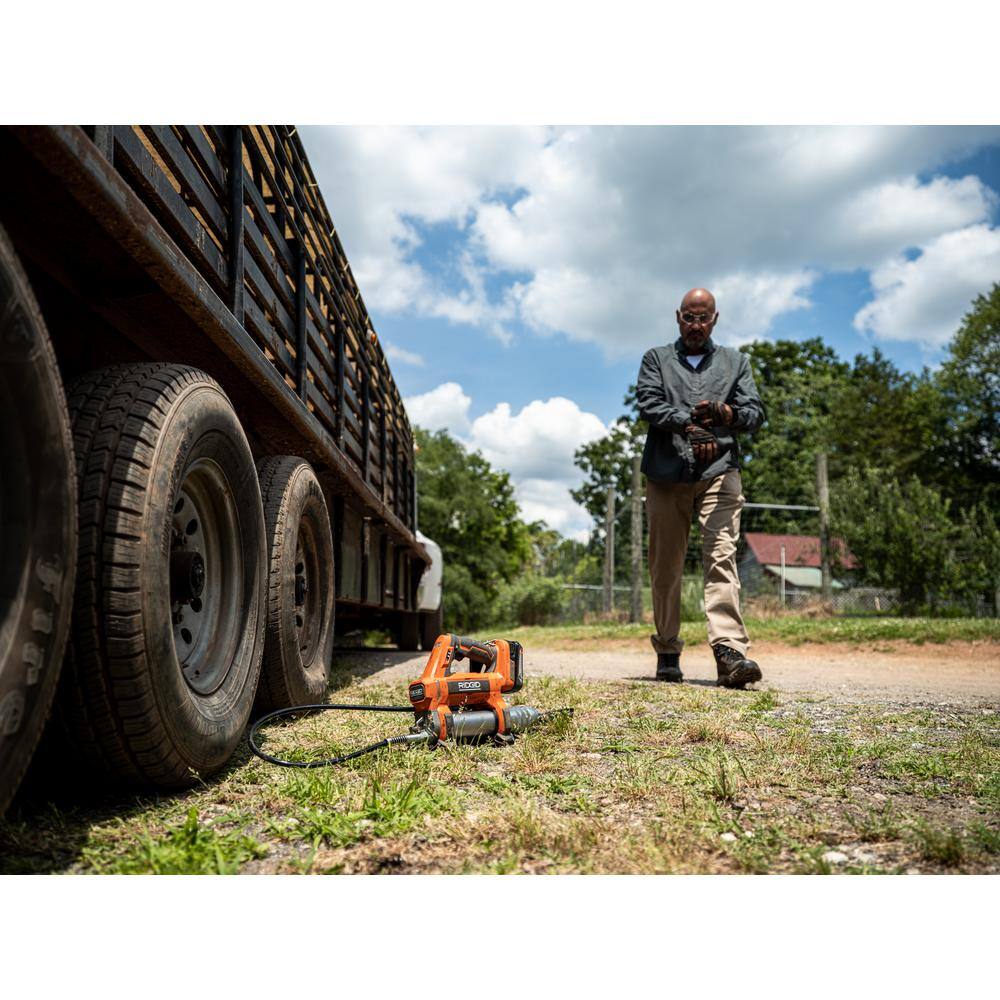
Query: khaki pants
(718, 503)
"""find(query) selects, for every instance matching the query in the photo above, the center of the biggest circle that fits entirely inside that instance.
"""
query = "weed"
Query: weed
(386, 809)
(943, 845)
(758, 853)
(580, 803)
(720, 776)
(875, 825)
(707, 731)
(190, 849)
(619, 745)
(637, 778)
(984, 837)
(762, 701)
(494, 784)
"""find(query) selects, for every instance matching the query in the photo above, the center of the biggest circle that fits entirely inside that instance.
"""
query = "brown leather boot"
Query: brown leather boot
(735, 670)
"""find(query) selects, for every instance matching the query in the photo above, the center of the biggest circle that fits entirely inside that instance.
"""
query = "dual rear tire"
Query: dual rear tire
(190, 582)
(168, 625)
(147, 575)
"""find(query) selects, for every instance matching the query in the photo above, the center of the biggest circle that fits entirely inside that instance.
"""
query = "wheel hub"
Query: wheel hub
(205, 570)
(187, 576)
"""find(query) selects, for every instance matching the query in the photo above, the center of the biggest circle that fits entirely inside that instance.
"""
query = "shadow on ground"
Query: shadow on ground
(58, 804)
(697, 681)
(351, 664)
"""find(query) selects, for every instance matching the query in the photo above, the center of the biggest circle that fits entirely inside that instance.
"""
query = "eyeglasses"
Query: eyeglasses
(692, 318)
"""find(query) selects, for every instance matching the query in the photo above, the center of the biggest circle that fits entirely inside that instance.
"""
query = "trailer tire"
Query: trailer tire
(431, 626)
(301, 586)
(168, 630)
(407, 632)
(37, 523)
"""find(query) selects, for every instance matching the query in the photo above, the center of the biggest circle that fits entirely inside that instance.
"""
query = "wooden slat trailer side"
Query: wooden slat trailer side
(188, 288)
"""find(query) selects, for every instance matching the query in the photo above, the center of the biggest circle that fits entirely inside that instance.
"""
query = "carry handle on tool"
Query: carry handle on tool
(474, 650)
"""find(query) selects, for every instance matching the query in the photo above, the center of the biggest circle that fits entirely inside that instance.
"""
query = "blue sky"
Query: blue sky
(515, 276)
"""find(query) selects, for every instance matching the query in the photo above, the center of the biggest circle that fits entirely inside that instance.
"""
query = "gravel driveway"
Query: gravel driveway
(902, 673)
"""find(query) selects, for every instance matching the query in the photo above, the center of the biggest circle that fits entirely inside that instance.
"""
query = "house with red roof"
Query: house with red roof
(760, 564)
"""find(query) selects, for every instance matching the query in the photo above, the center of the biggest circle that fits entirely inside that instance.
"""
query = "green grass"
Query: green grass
(645, 778)
(190, 848)
(792, 629)
(945, 846)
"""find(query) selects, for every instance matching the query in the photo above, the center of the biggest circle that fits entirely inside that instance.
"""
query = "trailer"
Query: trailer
(206, 468)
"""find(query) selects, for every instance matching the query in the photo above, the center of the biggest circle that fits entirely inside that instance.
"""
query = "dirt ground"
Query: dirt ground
(898, 673)
(860, 758)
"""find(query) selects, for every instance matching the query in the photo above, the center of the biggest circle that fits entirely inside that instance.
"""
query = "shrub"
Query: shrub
(531, 600)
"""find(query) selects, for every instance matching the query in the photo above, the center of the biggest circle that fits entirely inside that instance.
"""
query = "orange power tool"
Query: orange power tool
(496, 668)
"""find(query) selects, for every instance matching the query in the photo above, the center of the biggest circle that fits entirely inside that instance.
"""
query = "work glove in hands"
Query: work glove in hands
(713, 413)
(704, 444)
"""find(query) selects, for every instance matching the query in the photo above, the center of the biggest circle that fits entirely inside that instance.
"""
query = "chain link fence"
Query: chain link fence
(583, 603)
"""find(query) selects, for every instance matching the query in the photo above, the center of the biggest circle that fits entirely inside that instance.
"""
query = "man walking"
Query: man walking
(696, 396)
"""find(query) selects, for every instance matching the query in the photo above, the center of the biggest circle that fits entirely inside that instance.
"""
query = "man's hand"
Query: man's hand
(712, 413)
(704, 444)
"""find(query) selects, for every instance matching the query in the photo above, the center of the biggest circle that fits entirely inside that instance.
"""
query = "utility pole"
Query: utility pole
(609, 552)
(823, 493)
(636, 609)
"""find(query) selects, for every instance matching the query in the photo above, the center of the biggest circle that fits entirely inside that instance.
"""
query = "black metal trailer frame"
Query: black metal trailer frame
(213, 246)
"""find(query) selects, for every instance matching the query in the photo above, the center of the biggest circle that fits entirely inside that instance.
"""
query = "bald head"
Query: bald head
(696, 319)
(701, 298)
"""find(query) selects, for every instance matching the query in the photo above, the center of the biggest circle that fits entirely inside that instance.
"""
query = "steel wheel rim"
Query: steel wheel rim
(306, 617)
(206, 628)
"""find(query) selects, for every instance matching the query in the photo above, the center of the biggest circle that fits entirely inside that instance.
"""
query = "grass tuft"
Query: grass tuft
(943, 845)
(189, 849)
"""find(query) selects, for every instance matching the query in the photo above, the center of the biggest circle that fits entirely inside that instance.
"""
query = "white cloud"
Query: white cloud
(379, 182)
(757, 299)
(544, 500)
(889, 217)
(599, 231)
(445, 408)
(922, 299)
(537, 442)
(535, 445)
(399, 355)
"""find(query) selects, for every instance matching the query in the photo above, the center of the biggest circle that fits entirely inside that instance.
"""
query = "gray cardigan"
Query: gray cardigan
(668, 387)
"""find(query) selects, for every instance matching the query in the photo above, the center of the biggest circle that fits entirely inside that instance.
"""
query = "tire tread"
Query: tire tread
(107, 702)
(274, 690)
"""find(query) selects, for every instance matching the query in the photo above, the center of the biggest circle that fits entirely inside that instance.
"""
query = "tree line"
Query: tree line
(914, 480)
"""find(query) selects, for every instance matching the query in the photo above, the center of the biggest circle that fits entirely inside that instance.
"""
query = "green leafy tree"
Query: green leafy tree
(969, 380)
(797, 381)
(555, 556)
(469, 509)
(978, 550)
(905, 536)
(607, 463)
(884, 417)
